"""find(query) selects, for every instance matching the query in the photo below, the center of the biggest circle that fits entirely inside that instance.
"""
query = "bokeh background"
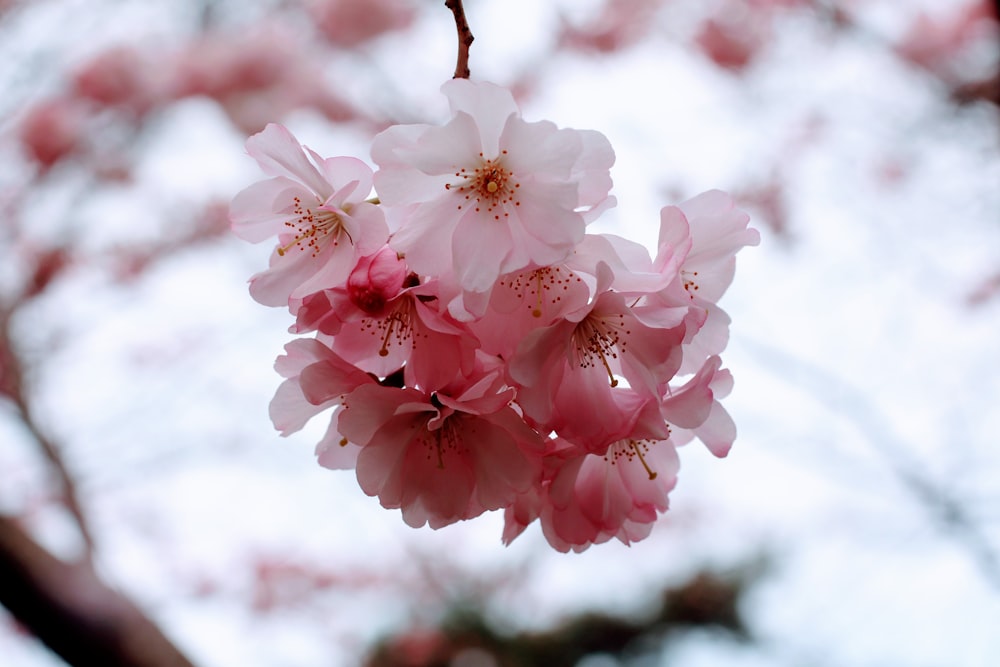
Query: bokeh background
(855, 523)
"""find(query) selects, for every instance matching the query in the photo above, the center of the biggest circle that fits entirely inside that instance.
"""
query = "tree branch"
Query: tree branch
(465, 38)
(73, 612)
(12, 386)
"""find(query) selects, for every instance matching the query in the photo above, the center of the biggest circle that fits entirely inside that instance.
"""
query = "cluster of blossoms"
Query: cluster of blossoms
(477, 348)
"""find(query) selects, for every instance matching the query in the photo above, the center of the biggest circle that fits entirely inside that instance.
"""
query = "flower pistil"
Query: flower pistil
(491, 184)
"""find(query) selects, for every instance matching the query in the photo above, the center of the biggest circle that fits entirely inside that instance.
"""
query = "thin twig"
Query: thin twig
(943, 506)
(465, 38)
(12, 381)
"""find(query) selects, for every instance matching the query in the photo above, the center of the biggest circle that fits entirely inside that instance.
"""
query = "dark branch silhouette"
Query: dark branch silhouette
(73, 612)
(708, 601)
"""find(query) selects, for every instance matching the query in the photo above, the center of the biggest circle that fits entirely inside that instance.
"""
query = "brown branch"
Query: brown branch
(465, 38)
(73, 612)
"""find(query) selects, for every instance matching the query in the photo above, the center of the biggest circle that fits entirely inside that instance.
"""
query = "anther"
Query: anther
(642, 460)
(384, 350)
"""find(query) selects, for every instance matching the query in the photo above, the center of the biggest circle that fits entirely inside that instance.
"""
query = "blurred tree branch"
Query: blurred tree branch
(942, 505)
(73, 612)
(12, 386)
(707, 600)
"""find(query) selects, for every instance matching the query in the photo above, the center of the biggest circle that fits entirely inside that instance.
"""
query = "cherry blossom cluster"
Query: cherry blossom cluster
(475, 348)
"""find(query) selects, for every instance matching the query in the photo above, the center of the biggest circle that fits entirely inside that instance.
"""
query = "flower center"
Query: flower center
(489, 187)
(599, 338)
(541, 287)
(312, 229)
(449, 440)
(394, 328)
(370, 300)
(631, 450)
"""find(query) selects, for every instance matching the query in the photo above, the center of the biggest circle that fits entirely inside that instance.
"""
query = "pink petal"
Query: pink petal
(258, 213)
(333, 452)
(279, 153)
(488, 103)
(479, 245)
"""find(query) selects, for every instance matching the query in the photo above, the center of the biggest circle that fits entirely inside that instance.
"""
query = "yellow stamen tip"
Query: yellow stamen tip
(492, 187)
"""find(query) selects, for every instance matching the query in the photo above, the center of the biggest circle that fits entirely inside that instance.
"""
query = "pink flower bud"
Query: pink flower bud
(375, 280)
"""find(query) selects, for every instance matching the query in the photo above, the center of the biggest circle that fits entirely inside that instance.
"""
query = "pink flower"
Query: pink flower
(474, 348)
(318, 210)
(566, 372)
(445, 456)
(704, 234)
(316, 380)
(716, 428)
(489, 193)
(408, 332)
(374, 282)
(524, 301)
(593, 498)
(617, 495)
(590, 496)
(717, 231)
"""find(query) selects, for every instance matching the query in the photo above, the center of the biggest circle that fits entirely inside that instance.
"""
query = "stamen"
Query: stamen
(537, 312)
(439, 454)
(489, 186)
(607, 367)
(642, 459)
(312, 229)
(596, 338)
(384, 350)
(690, 282)
(439, 441)
(542, 288)
(393, 327)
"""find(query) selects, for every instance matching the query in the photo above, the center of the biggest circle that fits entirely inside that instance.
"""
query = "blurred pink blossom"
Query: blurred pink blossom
(54, 129)
(936, 43)
(348, 23)
(121, 77)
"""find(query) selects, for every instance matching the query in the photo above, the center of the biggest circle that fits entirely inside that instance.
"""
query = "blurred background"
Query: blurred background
(855, 523)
